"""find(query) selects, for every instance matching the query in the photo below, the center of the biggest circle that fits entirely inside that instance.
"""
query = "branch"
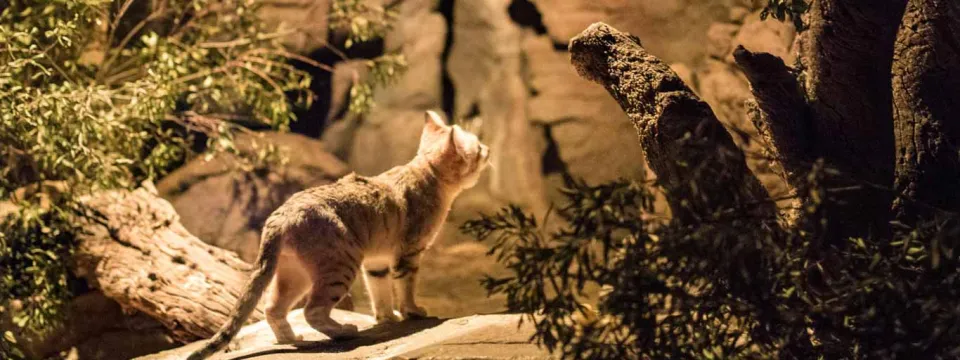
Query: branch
(693, 156)
(134, 250)
(781, 114)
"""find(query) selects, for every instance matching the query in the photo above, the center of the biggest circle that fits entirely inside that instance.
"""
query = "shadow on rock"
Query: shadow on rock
(371, 336)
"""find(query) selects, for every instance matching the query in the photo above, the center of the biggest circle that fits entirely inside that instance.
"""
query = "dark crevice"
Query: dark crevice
(526, 14)
(473, 112)
(313, 120)
(552, 163)
(445, 7)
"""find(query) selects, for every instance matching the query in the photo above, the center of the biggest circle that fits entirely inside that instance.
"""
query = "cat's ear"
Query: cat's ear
(434, 131)
(457, 141)
(433, 122)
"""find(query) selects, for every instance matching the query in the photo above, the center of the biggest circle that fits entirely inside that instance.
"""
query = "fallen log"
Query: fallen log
(135, 251)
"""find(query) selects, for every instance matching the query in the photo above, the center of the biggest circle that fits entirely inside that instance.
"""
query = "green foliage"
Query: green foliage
(784, 10)
(100, 94)
(381, 71)
(364, 20)
(612, 283)
(33, 249)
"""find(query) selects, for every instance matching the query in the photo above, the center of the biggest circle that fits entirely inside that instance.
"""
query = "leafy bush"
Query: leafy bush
(99, 94)
(615, 283)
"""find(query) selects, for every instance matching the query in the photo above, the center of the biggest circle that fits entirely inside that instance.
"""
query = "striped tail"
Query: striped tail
(266, 265)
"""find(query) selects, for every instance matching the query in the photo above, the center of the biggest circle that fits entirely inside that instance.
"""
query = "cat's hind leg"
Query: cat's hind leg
(290, 283)
(331, 282)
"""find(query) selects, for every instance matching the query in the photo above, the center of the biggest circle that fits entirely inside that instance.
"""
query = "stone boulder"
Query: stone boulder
(227, 208)
(720, 39)
(472, 337)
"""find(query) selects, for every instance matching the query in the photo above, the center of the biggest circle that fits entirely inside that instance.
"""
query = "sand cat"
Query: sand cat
(314, 244)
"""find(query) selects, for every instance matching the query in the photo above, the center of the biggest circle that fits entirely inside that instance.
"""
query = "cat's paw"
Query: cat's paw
(346, 331)
(413, 312)
(387, 317)
(290, 340)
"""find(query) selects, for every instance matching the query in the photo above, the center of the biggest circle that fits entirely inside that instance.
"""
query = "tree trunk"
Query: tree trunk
(926, 108)
(136, 252)
(691, 153)
(846, 58)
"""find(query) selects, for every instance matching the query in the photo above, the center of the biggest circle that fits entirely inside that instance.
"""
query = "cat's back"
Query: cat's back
(351, 199)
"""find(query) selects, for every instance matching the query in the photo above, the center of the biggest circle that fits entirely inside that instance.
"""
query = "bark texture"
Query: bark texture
(926, 108)
(846, 55)
(136, 252)
(691, 153)
(781, 114)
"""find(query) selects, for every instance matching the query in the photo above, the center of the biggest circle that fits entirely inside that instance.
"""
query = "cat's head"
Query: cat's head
(455, 154)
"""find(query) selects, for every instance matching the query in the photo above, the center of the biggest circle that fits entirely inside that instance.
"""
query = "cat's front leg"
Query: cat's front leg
(405, 286)
(378, 280)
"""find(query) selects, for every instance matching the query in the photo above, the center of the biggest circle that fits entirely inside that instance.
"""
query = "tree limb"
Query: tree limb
(782, 117)
(692, 154)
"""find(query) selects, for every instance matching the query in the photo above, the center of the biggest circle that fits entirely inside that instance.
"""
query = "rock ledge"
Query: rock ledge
(474, 337)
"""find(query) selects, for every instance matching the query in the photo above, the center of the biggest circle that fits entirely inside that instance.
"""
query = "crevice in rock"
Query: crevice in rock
(473, 112)
(526, 14)
(445, 8)
(551, 161)
(313, 120)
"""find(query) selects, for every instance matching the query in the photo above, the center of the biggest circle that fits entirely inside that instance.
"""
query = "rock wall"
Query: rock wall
(507, 65)
(227, 208)
(505, 62)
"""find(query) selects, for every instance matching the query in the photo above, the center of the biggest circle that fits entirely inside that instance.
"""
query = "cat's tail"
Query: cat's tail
(266, 265)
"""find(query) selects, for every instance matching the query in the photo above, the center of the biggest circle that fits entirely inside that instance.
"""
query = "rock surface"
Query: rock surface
(390, 133)
(672, 29)
(486, 65)
(305, 20)
(227, 208)
(472, 337)
(586, 124)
